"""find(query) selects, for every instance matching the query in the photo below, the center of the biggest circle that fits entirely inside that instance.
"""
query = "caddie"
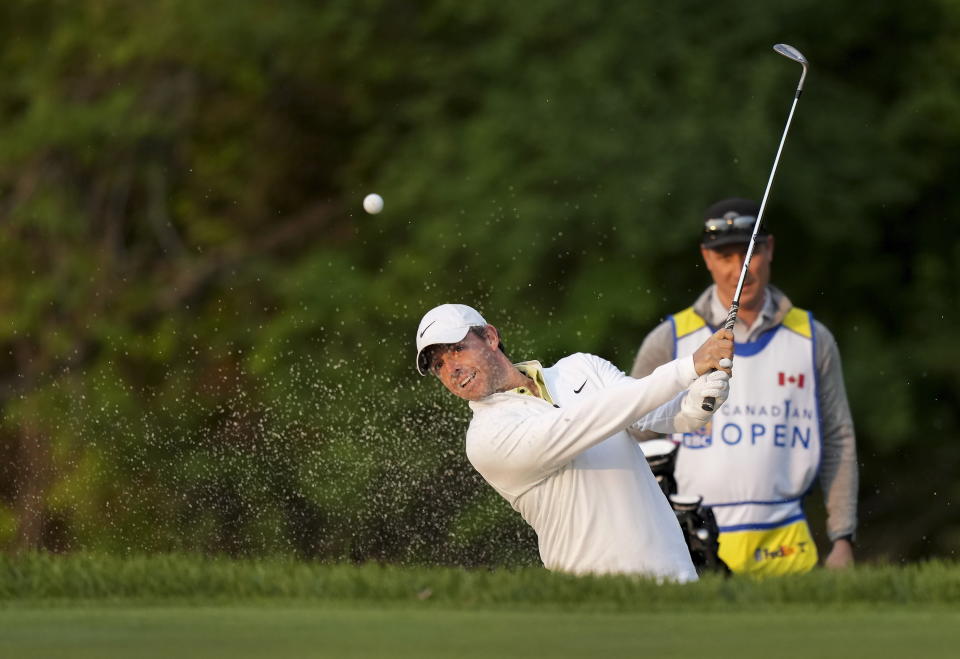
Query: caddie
(786, 422)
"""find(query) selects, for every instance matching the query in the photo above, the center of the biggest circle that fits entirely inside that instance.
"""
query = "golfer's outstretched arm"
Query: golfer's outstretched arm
(518, 449)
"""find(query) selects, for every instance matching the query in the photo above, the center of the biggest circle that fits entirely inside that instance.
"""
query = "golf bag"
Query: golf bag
(698, 523)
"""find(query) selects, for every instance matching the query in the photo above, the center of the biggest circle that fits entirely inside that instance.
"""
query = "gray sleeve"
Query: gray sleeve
(838, 466)
(656, 350)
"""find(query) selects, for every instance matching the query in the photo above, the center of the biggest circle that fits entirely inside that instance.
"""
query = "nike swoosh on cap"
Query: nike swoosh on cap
(580, 388)
(426, 328)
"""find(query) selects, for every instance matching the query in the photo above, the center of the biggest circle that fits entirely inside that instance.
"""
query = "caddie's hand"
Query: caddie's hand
(717, 347)
(840, 556)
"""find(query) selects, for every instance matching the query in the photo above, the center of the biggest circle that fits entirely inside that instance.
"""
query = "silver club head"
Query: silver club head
(790, 52)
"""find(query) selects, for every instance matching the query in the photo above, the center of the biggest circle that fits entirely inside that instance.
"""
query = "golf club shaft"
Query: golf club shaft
(735, 304)
(792, 53)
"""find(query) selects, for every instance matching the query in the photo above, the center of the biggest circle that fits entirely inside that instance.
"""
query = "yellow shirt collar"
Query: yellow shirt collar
(534, 370)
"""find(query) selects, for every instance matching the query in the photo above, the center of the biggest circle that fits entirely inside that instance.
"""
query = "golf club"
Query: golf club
(791, 53)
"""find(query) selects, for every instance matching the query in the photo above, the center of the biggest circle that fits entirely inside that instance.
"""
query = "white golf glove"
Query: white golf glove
(692, 415)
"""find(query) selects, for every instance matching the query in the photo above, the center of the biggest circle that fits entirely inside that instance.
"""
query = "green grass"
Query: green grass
(238, 632)
(90, 606)
(165, 578)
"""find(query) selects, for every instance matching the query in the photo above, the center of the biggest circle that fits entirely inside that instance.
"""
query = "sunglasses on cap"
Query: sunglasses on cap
(731, 221)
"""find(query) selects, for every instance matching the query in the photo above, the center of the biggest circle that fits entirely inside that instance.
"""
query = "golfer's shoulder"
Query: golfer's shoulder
(497, 411)
(496, 424)
(581, 362)
(479, 440)
(483, 426)
(575, 360)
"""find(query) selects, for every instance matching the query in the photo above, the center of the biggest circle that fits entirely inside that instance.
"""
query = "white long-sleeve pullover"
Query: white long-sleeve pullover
(574, 473)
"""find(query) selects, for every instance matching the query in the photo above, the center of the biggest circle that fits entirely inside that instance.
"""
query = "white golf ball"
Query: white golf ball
(725, 363)
(373, 203)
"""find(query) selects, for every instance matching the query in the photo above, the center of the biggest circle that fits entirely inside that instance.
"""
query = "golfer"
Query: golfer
(553, 441)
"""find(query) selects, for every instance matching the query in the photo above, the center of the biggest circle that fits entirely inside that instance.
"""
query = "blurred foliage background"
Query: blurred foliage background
(207, 345)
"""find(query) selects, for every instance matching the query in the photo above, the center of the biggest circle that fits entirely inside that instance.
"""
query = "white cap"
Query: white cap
(448, 323)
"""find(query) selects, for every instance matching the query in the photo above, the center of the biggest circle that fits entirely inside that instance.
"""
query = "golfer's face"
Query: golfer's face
(466, 368)
(724, 264)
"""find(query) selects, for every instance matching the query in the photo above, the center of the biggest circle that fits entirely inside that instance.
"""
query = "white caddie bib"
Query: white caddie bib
(760, 454)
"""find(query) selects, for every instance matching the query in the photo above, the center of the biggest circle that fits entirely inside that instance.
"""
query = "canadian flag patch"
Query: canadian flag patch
(784, 379)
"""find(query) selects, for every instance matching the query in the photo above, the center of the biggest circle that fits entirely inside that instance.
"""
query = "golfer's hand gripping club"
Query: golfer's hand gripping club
(709, 402)
(713, 384)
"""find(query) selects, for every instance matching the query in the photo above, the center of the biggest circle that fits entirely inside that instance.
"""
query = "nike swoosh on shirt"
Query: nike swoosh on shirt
(425, 329)
(580, 388)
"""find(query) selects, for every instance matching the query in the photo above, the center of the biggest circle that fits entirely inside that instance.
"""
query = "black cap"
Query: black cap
(731, 221)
